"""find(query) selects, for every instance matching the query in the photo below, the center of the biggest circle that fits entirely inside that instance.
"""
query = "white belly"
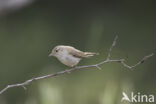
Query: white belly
(69, 60)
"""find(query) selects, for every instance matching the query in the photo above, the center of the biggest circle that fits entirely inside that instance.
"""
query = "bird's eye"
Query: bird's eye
(56, 50)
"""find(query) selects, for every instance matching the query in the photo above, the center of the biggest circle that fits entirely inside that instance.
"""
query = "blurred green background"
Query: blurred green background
(28, 34)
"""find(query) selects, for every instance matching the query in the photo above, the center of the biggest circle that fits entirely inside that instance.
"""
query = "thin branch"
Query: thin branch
(140, 62)
(113, 44)
(108, 60)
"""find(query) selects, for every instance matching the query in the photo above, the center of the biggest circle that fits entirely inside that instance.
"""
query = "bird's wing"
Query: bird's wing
(76, 53)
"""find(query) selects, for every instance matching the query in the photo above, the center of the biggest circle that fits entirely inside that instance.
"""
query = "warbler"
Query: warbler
(69, 55)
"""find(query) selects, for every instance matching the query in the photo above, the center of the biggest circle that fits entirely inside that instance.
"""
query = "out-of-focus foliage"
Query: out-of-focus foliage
(28, 35)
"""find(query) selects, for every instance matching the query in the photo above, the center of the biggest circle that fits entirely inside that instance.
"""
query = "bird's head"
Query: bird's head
(56, 51)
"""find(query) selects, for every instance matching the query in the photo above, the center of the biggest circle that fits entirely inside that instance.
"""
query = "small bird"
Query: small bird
(69, 55)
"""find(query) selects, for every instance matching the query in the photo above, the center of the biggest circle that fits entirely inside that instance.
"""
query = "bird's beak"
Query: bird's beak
(51, 54)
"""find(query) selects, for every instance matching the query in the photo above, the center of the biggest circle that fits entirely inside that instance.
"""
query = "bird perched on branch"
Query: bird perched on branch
(69, 55)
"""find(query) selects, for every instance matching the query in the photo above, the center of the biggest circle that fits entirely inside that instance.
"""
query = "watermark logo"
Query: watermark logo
(137, 97)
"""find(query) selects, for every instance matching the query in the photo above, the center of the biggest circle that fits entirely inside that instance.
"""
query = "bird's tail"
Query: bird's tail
(89, 54)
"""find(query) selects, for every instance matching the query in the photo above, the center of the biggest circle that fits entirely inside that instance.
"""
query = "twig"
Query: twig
(110, 50)
(108, 60)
